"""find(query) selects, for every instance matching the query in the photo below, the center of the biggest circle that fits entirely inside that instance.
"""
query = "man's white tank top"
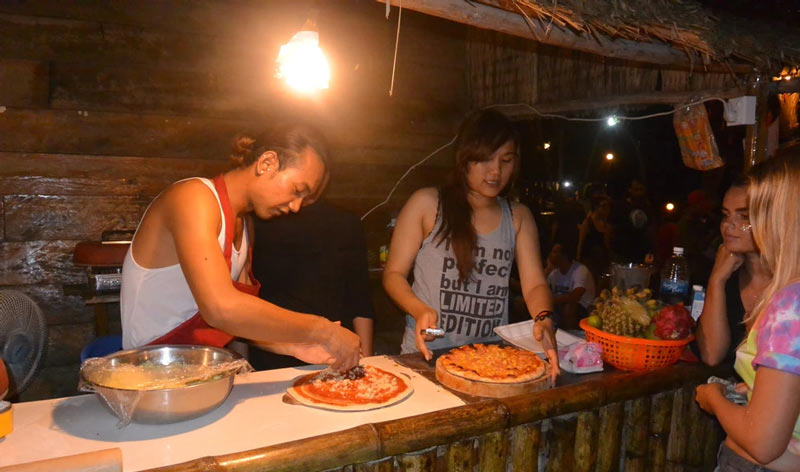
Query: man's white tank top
(153, 302)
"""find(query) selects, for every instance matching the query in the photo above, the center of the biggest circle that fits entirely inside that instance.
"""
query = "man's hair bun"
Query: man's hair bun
(242, 150)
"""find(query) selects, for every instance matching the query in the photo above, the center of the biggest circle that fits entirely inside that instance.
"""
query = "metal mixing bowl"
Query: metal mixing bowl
(170, 405)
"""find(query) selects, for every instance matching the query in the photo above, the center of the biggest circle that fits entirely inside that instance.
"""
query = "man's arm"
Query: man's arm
(572, 297)
(191, 215)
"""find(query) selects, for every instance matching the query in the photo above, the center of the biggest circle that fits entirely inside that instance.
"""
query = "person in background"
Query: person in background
(461, 241)
(571, 284)
(186, 278)
(634, 225)
(314, 261)
(697, 235)
(594, 239)
(568, 218)
(738, 279)
(764, 434)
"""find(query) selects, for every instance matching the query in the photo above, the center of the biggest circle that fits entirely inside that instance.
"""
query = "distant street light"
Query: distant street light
(669, 206)
(567, 184)
(610, 156)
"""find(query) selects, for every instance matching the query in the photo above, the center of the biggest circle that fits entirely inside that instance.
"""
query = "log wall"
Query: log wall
(102, 105)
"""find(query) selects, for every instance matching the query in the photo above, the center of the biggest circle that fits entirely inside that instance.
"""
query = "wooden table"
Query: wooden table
(641, 421)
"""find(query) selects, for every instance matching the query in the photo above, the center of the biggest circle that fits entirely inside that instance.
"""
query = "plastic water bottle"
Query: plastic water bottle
(675, 279)
(698, 300)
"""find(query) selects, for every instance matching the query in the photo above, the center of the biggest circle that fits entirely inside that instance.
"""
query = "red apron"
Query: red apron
(195, 330)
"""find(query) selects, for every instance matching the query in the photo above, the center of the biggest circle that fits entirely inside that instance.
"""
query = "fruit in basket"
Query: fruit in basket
(624, 314)
(673, 322)
(595, 321)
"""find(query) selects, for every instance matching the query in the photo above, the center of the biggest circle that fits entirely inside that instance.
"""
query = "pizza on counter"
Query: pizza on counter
(492, 363)
(361, 388)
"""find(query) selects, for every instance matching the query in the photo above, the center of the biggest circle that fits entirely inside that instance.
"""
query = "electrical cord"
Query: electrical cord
(544, 115)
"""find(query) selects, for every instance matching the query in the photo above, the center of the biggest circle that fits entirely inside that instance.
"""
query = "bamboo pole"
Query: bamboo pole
(696, 430)
(660, 417)
(524, 453)
(422, 461)
(382, 465)
(637, 423)
(614, 101)
(586, 439)
(460, 456)
(493, 451)
(755, 149)
(608, 445)
(676, 445)
(323, 452)
(711, 440)
(562, 442)
(497, 19)
(441, 427)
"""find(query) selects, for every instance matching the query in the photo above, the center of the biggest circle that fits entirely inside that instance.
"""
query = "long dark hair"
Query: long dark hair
(480, 135)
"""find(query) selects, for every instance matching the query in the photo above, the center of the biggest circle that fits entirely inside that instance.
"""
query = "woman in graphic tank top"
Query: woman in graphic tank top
(460, 241)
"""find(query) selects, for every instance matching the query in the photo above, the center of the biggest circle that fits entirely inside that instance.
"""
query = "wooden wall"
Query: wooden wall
(103, 104)
(506, 69)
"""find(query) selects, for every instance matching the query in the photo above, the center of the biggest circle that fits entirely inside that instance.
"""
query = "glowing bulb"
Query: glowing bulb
(610, 156)
(546, 146)
(788, 77)
(612, 120)
(567, 184)
(669, 206)
(302, 64)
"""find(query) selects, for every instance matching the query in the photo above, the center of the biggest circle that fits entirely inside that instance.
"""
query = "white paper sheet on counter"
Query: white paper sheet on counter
(253, 416)
(521, 335)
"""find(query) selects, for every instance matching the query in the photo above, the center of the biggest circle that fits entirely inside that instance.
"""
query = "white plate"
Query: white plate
(521, 335)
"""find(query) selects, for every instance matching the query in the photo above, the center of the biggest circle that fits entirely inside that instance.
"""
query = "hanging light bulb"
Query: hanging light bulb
(301, 62)
(612, 121)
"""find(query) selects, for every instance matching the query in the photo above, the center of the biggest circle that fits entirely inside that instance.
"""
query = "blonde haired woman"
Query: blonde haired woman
(764, 434)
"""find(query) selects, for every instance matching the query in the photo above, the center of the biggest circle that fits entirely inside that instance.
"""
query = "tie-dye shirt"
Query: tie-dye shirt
(774, 342)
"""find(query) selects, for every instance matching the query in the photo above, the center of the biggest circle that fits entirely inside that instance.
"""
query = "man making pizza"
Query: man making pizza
(461, 241)
(187, 276)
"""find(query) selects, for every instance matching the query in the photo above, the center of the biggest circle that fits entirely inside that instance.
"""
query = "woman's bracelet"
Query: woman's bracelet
(543, 315)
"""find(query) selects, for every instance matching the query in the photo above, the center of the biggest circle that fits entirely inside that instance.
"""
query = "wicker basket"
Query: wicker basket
(627, 353)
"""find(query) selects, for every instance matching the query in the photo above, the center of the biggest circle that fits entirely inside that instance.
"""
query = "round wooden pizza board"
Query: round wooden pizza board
(491, 389)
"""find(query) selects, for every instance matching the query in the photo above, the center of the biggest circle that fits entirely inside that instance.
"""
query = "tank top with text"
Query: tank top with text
(467, 311)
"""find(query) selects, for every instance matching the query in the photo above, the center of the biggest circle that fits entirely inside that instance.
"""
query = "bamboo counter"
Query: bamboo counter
(645, 421)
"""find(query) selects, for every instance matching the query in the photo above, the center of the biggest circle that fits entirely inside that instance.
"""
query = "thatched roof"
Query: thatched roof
(687, 25)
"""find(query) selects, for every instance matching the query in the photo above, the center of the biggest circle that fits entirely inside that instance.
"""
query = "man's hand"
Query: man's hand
(309, 353)
(544, 333)
(344, 346)
(427, 319)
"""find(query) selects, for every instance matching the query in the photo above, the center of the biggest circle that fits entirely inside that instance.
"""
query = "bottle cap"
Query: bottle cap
(677, 250)
(697, 288)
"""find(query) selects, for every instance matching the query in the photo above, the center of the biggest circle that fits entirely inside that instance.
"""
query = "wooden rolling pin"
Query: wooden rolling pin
(107, 460)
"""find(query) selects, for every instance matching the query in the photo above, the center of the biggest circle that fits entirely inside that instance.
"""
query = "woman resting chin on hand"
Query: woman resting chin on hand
(766, 431)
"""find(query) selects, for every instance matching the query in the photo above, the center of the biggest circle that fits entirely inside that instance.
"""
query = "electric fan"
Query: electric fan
(23, 337)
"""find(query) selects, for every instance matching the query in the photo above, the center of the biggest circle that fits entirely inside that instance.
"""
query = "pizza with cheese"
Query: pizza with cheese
(492, 363)
(360, 388)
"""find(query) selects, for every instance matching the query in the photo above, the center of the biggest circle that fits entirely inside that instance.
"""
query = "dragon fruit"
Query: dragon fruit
(673, 322)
